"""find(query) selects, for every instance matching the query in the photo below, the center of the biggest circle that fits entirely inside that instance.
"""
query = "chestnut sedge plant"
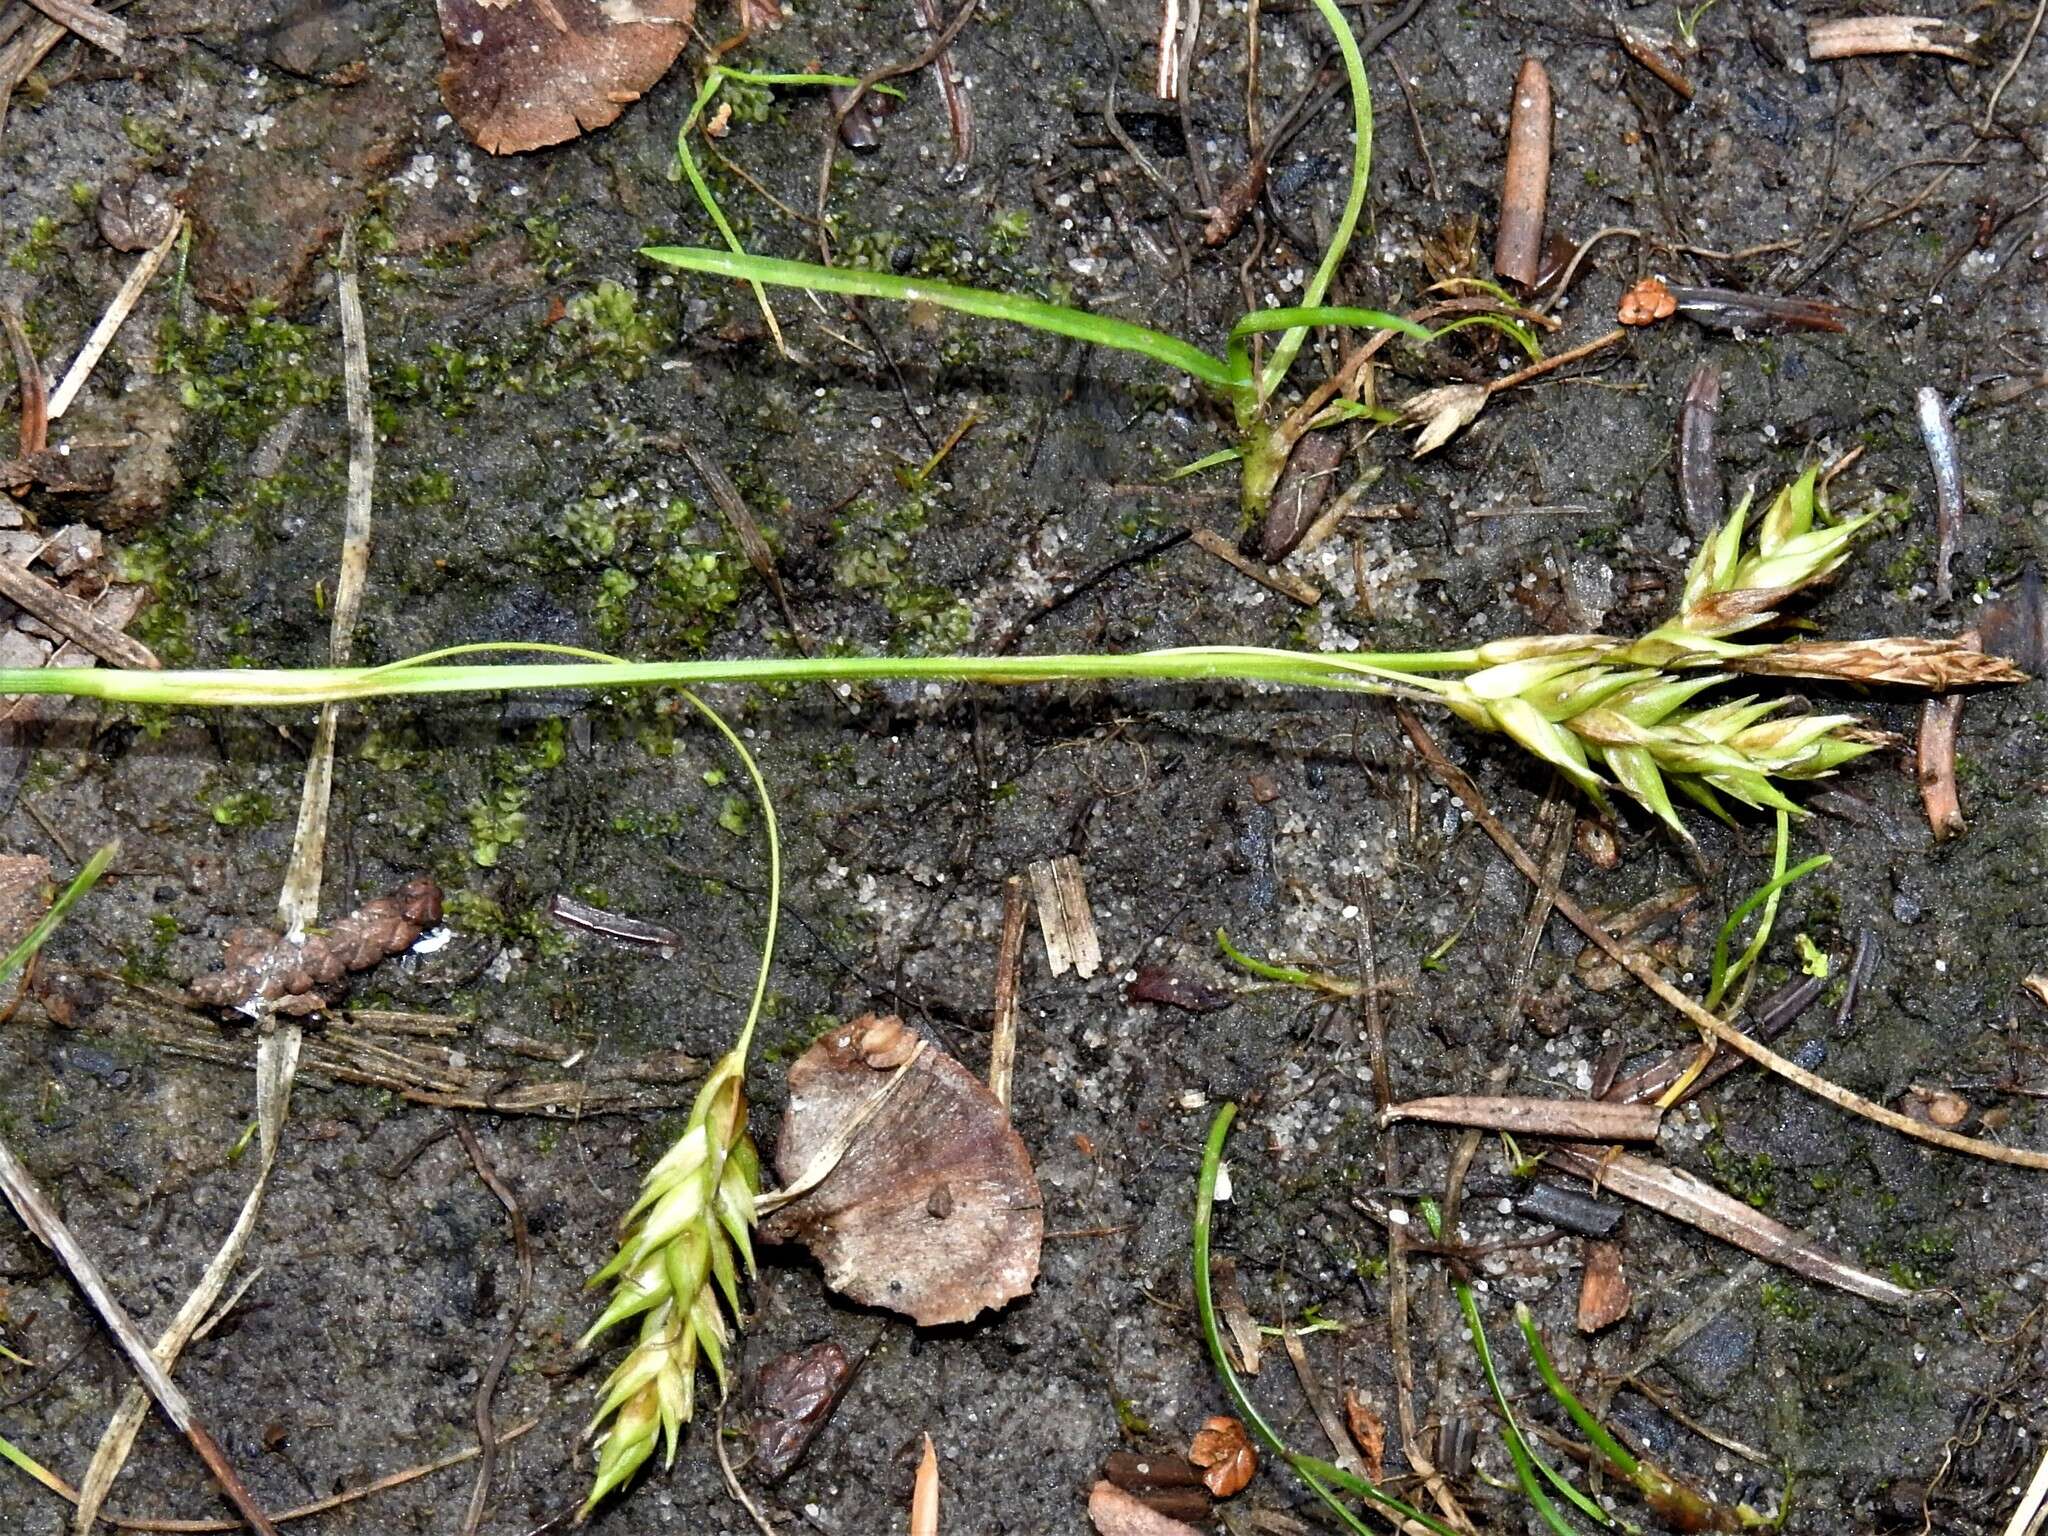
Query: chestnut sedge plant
(1610, 714)
(1264, 443)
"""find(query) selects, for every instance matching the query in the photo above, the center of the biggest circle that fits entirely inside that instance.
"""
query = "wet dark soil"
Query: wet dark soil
(535, 383)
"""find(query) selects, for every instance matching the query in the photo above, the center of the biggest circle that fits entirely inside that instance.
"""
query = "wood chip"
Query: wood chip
(1525, 185)
(1935, 766)
(1603, 1288)
(1237, 1317)
(1065, 920)
(1684, 1197)
(932, 1208)
(1286, 583)
(1569, 1119)
(1114, 1512)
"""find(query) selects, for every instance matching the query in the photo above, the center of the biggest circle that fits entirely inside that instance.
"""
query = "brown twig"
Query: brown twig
(1460, 784)
(89, 22)
(73, 619)
(1557, 360)
(1525, 185)
(1002, 1041)
(959, 111)
(2012, 69)
(41, 1218)
(487, 1389)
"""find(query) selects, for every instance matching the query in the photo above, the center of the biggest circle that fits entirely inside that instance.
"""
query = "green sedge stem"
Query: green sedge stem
(857, 282)
(1723, 975)
(1285, 974)
(1321, 1476)
(1354, 203)
(755, 77)
(85, 880)
(702, 188)
(774, 834)
(1389, 674)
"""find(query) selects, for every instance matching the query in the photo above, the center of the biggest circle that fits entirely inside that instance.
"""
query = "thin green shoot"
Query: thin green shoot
(242, 1141)
(1689, 22)
(1322, 1477)
(1674, 1501)
(1520, 1164)
(1286, 975)
(1289, 345)
(84, 881)
(1724, 975)
(1531, 1470)
(1214, 460)
(1434, 960)
(9, 1451)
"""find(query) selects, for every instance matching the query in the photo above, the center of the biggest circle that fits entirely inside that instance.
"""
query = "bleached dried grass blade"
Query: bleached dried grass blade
(277, 1052)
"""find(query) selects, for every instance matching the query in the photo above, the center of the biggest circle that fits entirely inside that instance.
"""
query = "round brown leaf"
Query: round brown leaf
(525, 73)
(933, 1209)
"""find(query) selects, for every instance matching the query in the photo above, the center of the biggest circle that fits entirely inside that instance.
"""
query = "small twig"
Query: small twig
(1460, 784)
(89, 22)
(2012, 69)
(1935, 758)
(752, 544)
(1558, 360)
(1002, 1045)
(844, 105)
(1939, 434)
(733, 1486)
(41, 1218)
(959, 111)
(1436, 191)
(73, 619)
(1166, 80)
(1274, 579)
(1525, 185)
(486, 1390)
(116, 315)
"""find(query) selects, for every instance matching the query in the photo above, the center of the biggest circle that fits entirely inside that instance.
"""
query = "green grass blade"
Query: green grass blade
(85, 880)
(1207, 461)
(35, 1469)
(986, 304)
(1723, 975)
(1321, 1476)
(702, 188)
(1354, 201)
(756, 77)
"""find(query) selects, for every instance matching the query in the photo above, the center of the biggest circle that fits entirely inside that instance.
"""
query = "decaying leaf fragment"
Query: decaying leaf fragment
(1368, 1433)
(932, 1208)
(266, 973)
(526, 73)
(794, 1395)
(1224, 1452)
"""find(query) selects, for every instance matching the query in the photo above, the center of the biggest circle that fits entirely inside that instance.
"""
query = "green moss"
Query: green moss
(244, 374)
(610, 327)
(32, 254)
(1782, 1299)
(143, 134)
(245, 808)
(165, 623)
(876, 558)
(1750, 1179)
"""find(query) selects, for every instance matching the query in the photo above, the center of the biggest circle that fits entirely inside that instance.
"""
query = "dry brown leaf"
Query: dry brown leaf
(924, 1494)
(1603, 1289)
(1114, 1512)
(1368, 1433)
(794, 1395)
(2038, 985)
(526, 73)
(933, 1209)
(1224, 1452)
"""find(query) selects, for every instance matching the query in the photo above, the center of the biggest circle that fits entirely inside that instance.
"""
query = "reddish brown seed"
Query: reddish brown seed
(1646, 303)
(1525, 188)
(1603, 1289)
(1224, 1452)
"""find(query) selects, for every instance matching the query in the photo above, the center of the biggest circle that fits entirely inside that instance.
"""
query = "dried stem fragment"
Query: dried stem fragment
(1525, 187)
(1851, 37)
(1940, 723)
(264, 972)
